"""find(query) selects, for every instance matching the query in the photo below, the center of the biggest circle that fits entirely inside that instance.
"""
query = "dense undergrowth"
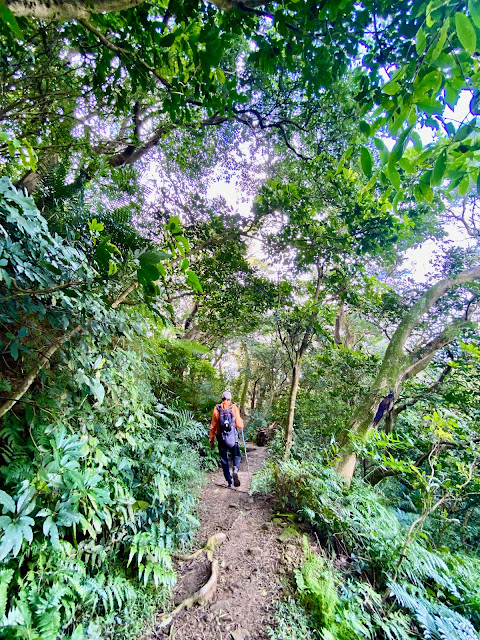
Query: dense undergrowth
(380, 575)
(389, 585)
(101, 459)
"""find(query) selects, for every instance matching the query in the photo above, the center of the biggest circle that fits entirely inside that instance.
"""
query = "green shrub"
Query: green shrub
(256, 421)
(316, 589)
(98, 477)
(432, 589)
(291, 622)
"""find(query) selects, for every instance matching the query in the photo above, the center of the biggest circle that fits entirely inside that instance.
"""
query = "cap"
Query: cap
(226, 395)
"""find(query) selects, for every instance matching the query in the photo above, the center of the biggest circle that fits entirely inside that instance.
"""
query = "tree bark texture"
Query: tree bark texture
(289, 431)
(63, 10)
(254, 394)
(246, 381)
(397, 366)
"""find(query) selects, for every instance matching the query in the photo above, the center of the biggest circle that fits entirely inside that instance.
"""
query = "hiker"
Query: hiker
(225, 422)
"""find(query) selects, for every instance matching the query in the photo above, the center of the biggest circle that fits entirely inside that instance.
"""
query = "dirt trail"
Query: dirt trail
(250, 562)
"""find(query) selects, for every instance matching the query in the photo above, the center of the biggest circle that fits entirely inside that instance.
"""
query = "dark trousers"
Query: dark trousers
(235, 454)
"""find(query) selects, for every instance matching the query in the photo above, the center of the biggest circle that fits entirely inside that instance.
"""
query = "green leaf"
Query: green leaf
(463, 132)
(14, 349)
(154, 257)
(431, 81)
(366, 161)
(183, 241)
(220, 76)
(439, 169)
(400, 145)
(93, 225)
(474, 10)
(394, 176)
(438, 48)
(7, 502)
(344, 158)
(406, 165)
(149, 272)
(5, 577)
(193, 281)
(452, 90)
(421, 41)
(53, 533)
(364, 128)
(78, 633)
(391, 88)
(103, 255)
(24, 503)
(173, 224)
(426, 191)
(478, 183)
(463, 186)
(398, 198)
(51, 267)
(167, 40)
(466, 32)
(7, 16)
(383, 150)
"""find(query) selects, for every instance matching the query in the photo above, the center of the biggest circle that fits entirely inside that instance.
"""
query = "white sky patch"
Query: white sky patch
(419, 260)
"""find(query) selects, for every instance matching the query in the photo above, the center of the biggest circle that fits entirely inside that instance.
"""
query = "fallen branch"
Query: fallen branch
(205, 593)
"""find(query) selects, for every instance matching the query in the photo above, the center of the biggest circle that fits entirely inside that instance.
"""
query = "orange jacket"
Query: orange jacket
(214, 423)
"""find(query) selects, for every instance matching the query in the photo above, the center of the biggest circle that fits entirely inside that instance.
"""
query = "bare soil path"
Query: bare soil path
(250, 563)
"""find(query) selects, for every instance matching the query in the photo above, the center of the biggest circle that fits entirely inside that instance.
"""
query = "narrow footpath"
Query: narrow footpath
(251, 560)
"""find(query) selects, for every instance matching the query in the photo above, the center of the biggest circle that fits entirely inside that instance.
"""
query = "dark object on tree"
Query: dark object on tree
(265, 435)
(384, 407)
(475, 104)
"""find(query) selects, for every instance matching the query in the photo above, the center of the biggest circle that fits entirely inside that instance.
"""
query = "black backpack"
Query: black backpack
(226, 421)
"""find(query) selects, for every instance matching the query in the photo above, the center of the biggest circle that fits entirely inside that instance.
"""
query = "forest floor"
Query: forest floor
(252, 560)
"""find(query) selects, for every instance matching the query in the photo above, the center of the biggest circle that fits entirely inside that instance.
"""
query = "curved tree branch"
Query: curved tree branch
(63, 10)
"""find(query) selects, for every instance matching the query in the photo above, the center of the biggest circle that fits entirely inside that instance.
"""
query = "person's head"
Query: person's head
(226, 395)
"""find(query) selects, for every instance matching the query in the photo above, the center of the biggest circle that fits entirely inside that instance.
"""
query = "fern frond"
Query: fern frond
(437, 621)
(6, 576)
(49, 625)
(421, 564)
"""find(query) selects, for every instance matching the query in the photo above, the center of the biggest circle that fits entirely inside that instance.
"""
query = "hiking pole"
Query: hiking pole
(246, 456)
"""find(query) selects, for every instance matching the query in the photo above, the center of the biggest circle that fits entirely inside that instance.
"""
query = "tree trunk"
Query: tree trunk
(246, 381)
(292, 401)
(63, 10)
(32, 179)
(254, 394)
(338, 326)
(397, 366)
(297, 364)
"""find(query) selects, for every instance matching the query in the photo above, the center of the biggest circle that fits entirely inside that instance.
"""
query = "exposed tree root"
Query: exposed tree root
(205, 593)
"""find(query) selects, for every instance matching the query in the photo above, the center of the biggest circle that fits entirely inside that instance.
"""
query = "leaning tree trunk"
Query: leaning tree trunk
(62, 10)
(397, 366)
(292, 401)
